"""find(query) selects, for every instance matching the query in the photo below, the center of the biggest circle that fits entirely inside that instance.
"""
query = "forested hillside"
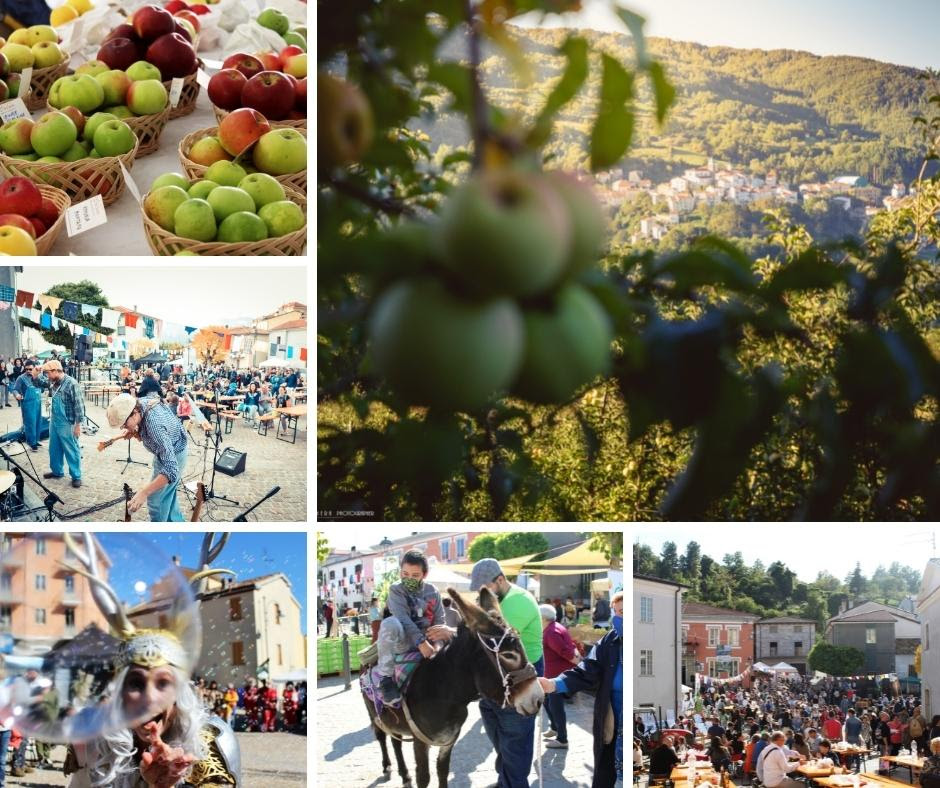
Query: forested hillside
(806, 116)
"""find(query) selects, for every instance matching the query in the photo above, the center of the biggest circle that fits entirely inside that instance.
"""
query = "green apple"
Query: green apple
(505, 232)
(147, 97)
(589, 224)
(225, 173)
(120, 111)
(114, 138)
(567, 345)
(47, 53)
(241, 226)
(76, 152)
(92, 124)
(302, 30)
(227, 200)
(295, 38)
(21, 36)
(281, 152)
(53, 134)
(194, 219)
(142, 70)
(438, 349)
(41, 33)
(345, 123)
(202, 189)
(185, 253)
(93, 154)
(92, 68)
(19, 56)
(14, 136)
(50, 160)
(114, 83)
(282, 217)
(25, 156)
(161, 204)
(78, 90)
(262, 187)
(274, 20)
(170, 179)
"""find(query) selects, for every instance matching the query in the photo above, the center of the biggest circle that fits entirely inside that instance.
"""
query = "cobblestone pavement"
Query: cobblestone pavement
(269, 760)
(269, 462)
(347, 753)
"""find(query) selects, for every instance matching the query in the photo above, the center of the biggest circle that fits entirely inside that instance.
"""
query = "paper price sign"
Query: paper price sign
(213, 64)
(13, 109)
(131, 186)
(176, 90)
(25, 79)
(202, 78)
(85, 215)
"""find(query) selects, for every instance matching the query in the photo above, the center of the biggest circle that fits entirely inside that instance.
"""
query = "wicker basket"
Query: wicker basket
(294, 124)
(187, 102)
(60, 199)
(163, 242)
(297, 180)
(78, 179)
(41, 83)
(148, 128)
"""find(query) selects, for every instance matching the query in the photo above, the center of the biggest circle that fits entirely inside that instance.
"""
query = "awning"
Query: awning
(580, 556)
(532, 571)
(509, 565)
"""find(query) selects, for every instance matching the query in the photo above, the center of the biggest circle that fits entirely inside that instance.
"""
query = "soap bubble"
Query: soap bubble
(68, 671)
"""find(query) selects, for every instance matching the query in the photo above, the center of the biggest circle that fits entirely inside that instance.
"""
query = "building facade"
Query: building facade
(715, 641)
(785, 639)
(657, 645)
(928, 609)
(347, 577)
(42, 602)
(887, 635)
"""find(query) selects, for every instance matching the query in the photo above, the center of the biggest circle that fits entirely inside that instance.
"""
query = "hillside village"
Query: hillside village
(681, 196)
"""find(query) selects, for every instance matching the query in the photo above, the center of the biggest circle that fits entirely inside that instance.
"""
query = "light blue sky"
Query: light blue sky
(901, 31)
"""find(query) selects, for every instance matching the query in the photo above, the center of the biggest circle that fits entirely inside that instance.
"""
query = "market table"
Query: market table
(845, 781)
(293, 415)
(814, 770)
(681, 773)
(909, 761)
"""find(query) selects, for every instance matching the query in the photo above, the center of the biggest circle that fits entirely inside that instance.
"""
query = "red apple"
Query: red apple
(181, 30)
(20, 195)
(296, 114)
(39, 226)
(185, 13)
(175, 5)
(247, 64)
(151, 22)
(77, 118)
(269, 60)
(288, 52)
(271, 93)
(241, 129)
(225, 88)
(122, 31)
(48, 213)
(300, 96)
(118, 53)
(16, 220)
(173, 55)
(199, 8)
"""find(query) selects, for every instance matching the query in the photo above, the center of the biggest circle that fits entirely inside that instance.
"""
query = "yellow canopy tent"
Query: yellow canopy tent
(581, 556)
(565, 571)
(511, 566)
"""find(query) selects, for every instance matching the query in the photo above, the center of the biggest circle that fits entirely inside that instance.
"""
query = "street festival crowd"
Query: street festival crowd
(198, 393)
(764, 733)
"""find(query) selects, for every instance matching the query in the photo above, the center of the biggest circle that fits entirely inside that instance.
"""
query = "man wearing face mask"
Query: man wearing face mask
(415, 608)
(512, 735)
(602, 670)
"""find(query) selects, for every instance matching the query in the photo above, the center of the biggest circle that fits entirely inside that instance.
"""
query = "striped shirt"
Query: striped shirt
(163, 436)
(68, 392)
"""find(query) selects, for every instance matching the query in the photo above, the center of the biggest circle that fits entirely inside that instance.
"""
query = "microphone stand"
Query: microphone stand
(211, 493)
(242, 517)
(51, 498)
(128, 462)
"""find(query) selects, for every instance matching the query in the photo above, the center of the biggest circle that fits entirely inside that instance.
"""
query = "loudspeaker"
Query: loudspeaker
(231, 462)
(81, 350)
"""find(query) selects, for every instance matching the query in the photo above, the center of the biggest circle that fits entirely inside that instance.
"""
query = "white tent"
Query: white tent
(761, 667)
(274, 362)
(444, 578)
(783, 667)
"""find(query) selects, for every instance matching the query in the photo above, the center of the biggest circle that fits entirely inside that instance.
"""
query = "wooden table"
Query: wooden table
(681, 773)
(872, 780)
(293, 414)
(813, 772)
(909, 761)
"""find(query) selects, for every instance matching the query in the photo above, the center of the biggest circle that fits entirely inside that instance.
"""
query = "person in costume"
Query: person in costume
(252, 706)
(269, 702)
(289, 706)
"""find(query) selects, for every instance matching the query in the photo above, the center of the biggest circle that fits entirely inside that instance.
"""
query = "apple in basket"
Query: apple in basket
(173, 55)
(151, 22)
(208, 151)
(20, 195)
(39, 226)
(225, 88)
(189, 16)
(271, 93)
(14, 136)
(15, 220)
(269, 60)
(119, 53)
(241, 129)
(77, 117)
(300, 96)
(286, 54)
(48, 212)
(249, 65)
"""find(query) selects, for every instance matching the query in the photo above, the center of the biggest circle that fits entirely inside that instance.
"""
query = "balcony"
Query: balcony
(13, 559)
(10, 597)
(69, 599)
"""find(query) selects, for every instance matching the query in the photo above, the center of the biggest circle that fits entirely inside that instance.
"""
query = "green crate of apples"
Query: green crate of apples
(226, 212)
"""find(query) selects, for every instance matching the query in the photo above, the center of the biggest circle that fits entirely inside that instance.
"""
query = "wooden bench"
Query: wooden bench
(265, 420)
(230, 416)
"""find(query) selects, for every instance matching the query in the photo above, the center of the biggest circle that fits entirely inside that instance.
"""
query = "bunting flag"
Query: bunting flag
(109, 318)
(22, 311)
(90, 309)
(274, 348)
(227, 343)
(70, 310)
(35, 315)
(49, 302)
(130, 319)
(303, 354)
(45, 320)
(25, 298)
(7, 293)
(148, 327)
(190, 329)
(290, 351)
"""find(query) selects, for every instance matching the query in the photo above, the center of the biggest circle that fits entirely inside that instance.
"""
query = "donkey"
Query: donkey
(485, 659)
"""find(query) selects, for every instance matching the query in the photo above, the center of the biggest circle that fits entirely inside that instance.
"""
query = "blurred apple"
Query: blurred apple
(225, 88)
(241, 129)
(247, 64)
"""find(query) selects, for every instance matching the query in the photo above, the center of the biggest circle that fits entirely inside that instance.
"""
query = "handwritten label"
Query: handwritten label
(213, 64)
(131, 186)
(13, 109)
(176, 90)
(202, 78)
(85, 215)
(26, 77)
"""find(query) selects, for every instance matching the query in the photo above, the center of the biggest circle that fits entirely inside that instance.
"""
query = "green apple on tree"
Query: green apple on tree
(435, 348)
(588, 222)
(506, 231)
(344, 122)
(567, 344)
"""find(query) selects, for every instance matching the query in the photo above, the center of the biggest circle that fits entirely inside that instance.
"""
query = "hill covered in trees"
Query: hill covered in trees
(775, 589)
(809, 117)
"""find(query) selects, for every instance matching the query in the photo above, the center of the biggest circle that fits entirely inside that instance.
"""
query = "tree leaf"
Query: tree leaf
(575, 49)
(634, 23)
(663, 90)
(456, 78)
(809, 271)
(592, 441)
(613, 129)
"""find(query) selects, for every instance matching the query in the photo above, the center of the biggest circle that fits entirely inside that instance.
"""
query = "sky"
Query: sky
(901, 31)
(805, 549)
(247, 554)
(343, 537)
(190, 296)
